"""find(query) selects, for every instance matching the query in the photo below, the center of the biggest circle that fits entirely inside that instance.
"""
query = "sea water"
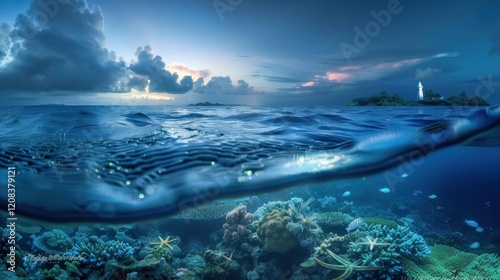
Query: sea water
(123, 165)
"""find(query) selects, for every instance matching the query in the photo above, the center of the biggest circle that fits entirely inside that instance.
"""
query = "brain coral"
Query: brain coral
(273, 233)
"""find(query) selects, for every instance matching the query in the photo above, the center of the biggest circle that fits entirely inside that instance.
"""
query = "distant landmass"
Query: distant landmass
(430, 99)
(51, 104)
(211, 104)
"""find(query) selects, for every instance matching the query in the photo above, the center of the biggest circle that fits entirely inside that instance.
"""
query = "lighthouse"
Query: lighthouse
(420, 91)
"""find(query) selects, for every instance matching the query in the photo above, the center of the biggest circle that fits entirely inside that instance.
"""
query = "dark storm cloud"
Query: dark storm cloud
(59, 46)
(222, 85)
(152, 67)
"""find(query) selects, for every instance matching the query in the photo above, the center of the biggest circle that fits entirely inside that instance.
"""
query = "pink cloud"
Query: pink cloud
(182, 69)
(308, 84)
(337, 76)
(365, 72)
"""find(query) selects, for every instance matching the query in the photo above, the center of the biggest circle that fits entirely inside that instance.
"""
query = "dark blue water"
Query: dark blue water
(131, 163)
(427, 168)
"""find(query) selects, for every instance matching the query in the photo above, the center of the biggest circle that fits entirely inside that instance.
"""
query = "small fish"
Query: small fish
(417, 192)
(439, 207)
(404, 175)
(471, 223)
(479, 229)
(346, 194)
(487, 204)
(354, 224)
(385, 190)
(432, 196)
(474, 245)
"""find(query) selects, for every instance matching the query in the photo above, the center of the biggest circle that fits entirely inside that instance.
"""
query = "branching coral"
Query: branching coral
(235, 228)
(401, 243)
(98, 254)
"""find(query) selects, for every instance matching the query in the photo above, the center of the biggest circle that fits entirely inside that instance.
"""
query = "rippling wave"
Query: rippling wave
(132, 163)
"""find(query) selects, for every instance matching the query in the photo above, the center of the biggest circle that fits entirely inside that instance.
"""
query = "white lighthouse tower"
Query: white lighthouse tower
(420, 91)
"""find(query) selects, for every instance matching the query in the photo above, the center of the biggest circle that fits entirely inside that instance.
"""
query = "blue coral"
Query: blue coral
(403, 243)
(96, 255)
(55, 241)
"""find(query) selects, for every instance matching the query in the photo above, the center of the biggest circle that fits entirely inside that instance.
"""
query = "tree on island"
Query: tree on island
(463, 100)
(431, 95)
(381, 99)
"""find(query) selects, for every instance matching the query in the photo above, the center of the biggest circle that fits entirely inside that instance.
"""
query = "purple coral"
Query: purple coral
(235, 228)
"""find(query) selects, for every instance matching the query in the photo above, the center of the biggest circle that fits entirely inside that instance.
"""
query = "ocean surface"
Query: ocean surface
(99, 174)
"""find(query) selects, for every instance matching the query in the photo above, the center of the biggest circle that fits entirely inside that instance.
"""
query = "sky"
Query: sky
(258, 52)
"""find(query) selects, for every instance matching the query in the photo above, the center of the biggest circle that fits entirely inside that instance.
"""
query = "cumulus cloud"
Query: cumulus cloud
(152, 68)
(222, 85)
(204, 73)
(421, 74)
(60, 47)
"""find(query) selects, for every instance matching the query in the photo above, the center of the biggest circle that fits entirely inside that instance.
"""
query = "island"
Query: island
(430, 98)
(211, 104)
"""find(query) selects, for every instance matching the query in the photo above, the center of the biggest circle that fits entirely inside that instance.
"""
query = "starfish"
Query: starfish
(229, 259)
(373, 243)
(345, 265)
(165, 242)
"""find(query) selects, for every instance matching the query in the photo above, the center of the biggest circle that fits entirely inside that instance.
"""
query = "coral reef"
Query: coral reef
(144, 269)
(96, 255)
(449, 263)
(303, 224)
(381, 221)
(212, 211)
(403, 243)
(220, 266)
(235, 228)
(273, 233)
(55, 241)
(270, 206)
(332, 220)
(28, 229)
(253, 246)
